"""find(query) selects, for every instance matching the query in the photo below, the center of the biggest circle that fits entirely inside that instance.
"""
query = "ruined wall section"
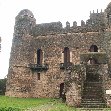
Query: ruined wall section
(74, 84)
(22, 80)
(53, 46)
(23, 53)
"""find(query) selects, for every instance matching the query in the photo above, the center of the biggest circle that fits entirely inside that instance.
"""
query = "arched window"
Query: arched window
(39, 56)
(93, 48)
(66, 55)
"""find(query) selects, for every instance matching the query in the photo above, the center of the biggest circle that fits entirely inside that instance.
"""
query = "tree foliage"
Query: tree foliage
(2, 86)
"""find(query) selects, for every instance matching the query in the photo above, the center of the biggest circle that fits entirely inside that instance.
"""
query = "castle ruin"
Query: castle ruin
(72, 63)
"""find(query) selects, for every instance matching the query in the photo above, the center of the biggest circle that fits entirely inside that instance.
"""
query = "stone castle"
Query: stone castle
(72, 63)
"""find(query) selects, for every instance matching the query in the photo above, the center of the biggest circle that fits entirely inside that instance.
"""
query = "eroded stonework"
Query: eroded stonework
(49, 61)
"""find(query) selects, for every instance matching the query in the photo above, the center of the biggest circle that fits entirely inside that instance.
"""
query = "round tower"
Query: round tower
(20, 51)
(24, 22)
(20, 56)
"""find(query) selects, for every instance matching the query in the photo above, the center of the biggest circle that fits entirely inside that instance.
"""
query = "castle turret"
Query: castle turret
(20, 56)
(24, 22)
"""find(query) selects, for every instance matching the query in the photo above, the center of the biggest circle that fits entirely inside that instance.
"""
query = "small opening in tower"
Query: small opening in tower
(38, 76)
(39, 56)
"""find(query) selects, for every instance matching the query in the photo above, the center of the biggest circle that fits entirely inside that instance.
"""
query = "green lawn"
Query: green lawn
(36, 104)
(19, 104)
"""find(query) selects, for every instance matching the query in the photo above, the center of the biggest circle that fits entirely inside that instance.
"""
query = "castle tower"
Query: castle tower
(20, 51)
(24, 22)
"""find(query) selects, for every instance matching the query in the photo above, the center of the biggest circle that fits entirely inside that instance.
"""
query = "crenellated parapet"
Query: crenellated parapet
(56, 28)
(97, 18)
(25, 23)
(95, 23)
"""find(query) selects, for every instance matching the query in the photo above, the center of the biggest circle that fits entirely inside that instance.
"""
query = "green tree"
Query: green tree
(2, 86)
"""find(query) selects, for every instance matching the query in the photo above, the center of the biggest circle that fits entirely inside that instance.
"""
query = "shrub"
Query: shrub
(10, 109)
(2, 86)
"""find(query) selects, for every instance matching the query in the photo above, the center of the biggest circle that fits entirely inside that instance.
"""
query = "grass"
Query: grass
(35, 104)
(30, 103)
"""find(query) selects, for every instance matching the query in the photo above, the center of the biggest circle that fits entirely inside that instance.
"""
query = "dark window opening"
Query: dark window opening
(93, 48)
(39, 56)
(93, 61)
(38, 76)
(66, 55)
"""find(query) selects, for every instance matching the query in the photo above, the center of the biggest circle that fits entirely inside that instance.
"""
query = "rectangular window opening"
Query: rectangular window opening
(38, 76)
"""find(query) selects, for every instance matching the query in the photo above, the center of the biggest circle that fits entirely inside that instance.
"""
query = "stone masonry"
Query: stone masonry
(49, 61)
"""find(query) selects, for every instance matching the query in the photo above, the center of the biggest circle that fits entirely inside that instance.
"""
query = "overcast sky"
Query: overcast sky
(44, 11)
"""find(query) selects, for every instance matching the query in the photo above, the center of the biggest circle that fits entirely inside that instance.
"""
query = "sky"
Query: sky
(44, 11)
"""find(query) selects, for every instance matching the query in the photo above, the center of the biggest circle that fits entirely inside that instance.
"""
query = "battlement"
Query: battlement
(57, 28)
(95, 23)
(97, 17)
(26, 24)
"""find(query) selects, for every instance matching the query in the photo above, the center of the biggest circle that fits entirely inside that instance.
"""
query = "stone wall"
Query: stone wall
(106, 84)
(24, 51)
(74, 85)
(19, 82)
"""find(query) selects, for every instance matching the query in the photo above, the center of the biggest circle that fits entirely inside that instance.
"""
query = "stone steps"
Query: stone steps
(93, 104)
(92, 95)
(91, 109)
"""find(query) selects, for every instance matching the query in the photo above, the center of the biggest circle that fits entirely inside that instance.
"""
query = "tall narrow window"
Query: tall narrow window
(66, 55)
(93, 48)
(39, 56)
(38, 76)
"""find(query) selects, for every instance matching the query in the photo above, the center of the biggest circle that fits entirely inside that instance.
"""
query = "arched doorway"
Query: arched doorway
(62, 93)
